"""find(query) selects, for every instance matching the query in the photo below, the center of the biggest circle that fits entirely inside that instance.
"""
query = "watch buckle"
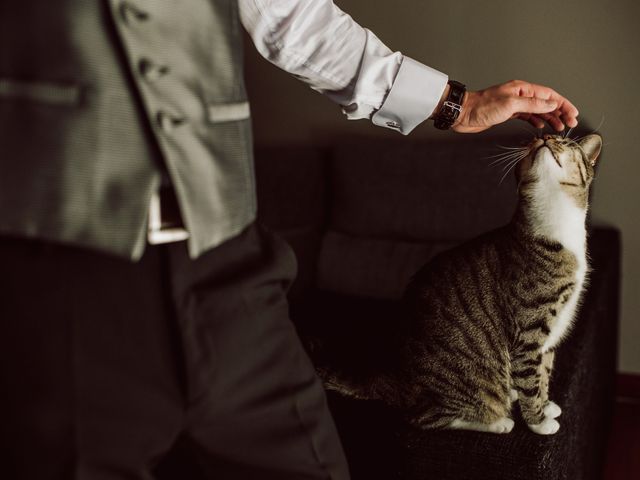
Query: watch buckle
(453, 106)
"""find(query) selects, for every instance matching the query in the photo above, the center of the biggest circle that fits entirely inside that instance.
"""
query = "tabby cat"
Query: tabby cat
(487, 316)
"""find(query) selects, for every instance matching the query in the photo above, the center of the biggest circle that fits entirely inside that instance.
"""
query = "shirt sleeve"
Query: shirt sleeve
(324, 47)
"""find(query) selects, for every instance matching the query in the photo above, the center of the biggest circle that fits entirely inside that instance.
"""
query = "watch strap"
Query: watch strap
(451, 107)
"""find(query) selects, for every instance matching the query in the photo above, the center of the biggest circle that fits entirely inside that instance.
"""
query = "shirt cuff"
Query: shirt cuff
(414, 95)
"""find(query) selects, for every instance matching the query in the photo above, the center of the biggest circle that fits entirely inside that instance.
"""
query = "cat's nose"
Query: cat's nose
(547, 137)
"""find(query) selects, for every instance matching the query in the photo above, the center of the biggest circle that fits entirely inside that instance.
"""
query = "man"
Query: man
(141, 304)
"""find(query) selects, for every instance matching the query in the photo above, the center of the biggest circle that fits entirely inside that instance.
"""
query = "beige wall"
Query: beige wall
(587, 50)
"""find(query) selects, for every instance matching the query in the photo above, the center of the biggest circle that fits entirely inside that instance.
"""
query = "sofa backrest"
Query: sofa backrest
(393, 205)
(363, 216)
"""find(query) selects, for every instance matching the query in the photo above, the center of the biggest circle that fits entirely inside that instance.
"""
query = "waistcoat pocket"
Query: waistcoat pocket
(228, 112)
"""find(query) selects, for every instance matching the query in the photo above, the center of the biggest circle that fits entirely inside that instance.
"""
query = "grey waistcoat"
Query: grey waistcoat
(98, 98)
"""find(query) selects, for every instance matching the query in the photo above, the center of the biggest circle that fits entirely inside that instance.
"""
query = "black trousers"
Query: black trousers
(106, 364)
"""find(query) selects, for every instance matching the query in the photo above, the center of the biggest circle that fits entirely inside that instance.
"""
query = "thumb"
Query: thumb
(534, 105)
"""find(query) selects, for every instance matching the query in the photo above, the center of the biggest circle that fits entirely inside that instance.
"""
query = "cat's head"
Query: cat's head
(557, 162)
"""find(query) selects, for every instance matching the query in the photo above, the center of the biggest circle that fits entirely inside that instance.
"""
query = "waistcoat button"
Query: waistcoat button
(150, 70)
(168, 122)
(129, 12)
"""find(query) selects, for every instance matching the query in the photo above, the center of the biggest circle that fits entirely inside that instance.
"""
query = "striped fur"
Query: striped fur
(488, 315)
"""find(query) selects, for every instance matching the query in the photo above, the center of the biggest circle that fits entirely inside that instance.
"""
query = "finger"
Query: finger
(534, 120)
(567, 120)
(570, 121)
(553, 120)
(537, 122)
(568, 114)
(532, 105)
(567, 109)
(527, 89)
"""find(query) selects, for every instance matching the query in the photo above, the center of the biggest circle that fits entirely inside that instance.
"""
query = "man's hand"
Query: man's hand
(533, 103)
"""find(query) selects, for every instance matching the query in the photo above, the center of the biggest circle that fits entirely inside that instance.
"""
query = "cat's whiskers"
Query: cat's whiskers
(567, 134)
(511, 161)
(511, 148)
(596, 130)
(507, 159)
(509, 167)
(515, 154)
(503, 154)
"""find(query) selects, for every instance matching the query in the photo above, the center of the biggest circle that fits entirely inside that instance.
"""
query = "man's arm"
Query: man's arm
(327, 49)
(324, 47)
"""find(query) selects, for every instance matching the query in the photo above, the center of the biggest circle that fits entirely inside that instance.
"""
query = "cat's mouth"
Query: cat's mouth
(539, 152)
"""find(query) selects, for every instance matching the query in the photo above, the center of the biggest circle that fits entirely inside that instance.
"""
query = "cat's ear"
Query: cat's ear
(591, 145)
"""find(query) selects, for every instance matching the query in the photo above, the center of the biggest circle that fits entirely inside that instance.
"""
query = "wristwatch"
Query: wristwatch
(451, 107)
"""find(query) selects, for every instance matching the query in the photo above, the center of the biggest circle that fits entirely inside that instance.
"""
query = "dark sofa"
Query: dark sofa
(362, 217)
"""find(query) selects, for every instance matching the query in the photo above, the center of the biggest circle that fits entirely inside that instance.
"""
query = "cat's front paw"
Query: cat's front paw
(552, 410)
(548, 426)
(504, 425)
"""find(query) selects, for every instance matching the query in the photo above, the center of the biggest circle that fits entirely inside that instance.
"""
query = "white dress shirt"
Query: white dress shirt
(324, 47)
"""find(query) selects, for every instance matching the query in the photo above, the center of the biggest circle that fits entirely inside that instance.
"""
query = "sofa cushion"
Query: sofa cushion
(371, 267)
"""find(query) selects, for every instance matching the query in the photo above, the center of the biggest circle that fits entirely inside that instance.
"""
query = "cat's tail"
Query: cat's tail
(346, 374)
(364, 388)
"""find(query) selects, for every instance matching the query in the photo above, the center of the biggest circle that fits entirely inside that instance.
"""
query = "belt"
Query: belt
(165, 221)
